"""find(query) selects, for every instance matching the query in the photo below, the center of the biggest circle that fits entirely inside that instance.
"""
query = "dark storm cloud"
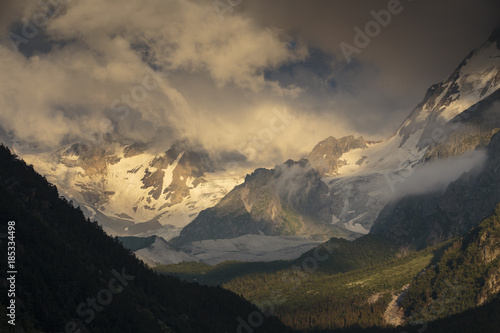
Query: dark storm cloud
(420, 46)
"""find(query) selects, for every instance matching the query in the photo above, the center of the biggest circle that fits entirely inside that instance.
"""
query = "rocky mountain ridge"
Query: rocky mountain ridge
(289, 200)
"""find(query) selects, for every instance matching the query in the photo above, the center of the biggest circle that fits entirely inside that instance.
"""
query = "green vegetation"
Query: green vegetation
(483, 319)
(464, 276)
(347, 286)
(221, 273)
(344, 256)
(291, 221)
(308, 298)
(305, 294)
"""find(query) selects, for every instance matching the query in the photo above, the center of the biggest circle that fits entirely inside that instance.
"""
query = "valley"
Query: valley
(268, 182)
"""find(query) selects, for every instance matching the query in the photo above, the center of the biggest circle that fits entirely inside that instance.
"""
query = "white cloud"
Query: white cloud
(181, 35)
(437, 175)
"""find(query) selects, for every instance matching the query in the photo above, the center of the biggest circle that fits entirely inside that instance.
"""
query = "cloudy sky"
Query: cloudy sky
(266, 79)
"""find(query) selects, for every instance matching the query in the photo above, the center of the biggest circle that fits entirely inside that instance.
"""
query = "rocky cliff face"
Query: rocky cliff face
(326, 155)
(471, 129)
(475, 79)
(288, 200)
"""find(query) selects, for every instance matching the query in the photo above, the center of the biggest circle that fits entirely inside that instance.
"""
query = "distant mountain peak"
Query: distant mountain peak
(325, 156)
(474, 79)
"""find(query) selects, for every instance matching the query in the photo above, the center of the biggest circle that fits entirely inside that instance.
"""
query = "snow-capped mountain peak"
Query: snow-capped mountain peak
(477, 77)
(135, 184)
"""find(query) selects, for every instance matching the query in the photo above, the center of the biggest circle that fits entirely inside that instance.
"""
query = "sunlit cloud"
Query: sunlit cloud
(162, 70)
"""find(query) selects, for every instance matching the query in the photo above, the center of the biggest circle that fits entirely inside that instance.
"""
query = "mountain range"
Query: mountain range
(357, 236)
(342, 188)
